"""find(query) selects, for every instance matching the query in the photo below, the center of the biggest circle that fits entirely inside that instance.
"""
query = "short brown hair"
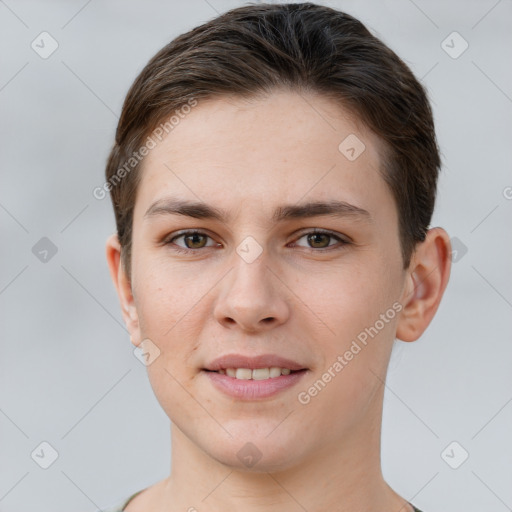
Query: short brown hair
(257, 49)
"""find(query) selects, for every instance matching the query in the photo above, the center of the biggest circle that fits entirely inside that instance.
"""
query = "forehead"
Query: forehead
(281, 147)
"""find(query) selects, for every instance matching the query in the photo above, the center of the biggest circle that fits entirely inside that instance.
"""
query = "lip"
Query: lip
(252, 362)
(253, 389)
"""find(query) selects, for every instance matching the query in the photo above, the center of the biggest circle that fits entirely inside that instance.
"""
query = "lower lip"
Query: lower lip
(251, 389)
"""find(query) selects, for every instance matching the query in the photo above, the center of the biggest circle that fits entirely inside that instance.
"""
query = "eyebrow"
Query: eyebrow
(200, 210)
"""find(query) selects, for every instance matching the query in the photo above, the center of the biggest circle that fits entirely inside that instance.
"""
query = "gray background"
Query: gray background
(68, 375)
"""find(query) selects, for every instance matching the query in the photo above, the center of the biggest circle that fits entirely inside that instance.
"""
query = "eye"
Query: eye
(316, 239)
(319, 239)
(192, 239)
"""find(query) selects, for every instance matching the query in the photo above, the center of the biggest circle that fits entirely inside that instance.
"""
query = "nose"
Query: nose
(252, 297)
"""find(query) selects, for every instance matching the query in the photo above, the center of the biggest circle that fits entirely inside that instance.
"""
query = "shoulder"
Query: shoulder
(121, 505)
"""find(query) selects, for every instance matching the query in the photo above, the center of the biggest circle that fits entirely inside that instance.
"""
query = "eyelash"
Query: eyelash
(179, 249)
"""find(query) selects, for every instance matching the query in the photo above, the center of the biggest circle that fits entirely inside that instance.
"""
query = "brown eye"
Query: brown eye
(194, 241)
(319, 240)
(322, 240)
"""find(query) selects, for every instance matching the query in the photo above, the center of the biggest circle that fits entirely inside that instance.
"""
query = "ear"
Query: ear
(123, 287)
(426, 281)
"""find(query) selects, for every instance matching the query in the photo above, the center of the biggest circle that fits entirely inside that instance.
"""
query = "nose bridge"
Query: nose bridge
(249, 295)
(250, 278)
(251, 274)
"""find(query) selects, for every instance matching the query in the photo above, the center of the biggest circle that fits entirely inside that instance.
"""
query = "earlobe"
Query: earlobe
(123, 287)
(427, 278)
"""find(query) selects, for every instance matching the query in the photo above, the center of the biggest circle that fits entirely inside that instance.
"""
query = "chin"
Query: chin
(256, 454)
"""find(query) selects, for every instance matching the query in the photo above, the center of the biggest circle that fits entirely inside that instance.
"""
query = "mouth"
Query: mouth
(245, 389)
(260, 367)
(255, 377)
(271, 372)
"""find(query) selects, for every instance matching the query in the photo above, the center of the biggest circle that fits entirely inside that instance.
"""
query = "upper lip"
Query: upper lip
(252, 362)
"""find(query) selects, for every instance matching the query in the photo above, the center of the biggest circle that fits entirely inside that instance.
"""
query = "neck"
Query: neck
(344, 476)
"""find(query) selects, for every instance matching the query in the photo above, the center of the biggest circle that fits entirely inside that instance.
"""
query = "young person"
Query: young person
(273, 179)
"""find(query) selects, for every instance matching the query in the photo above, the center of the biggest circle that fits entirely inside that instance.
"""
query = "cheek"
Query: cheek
(167, 297)
(174, 305)
(352, 297)
(360, 308)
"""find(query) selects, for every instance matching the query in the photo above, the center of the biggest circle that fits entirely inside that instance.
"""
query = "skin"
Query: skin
(303, 298)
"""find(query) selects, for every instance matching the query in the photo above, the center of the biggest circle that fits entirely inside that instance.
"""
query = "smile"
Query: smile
(246, 387)
(256, 373)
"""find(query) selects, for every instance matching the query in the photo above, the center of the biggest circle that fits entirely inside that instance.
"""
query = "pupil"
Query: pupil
(194, 237)
(313, 238)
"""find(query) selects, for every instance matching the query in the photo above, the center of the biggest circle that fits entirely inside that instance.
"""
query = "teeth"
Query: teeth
(256, 374)
(243, 373)
(275, 372)
(260, 373)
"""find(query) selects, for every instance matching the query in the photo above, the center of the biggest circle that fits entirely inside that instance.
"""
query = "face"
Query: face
(294, 253)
